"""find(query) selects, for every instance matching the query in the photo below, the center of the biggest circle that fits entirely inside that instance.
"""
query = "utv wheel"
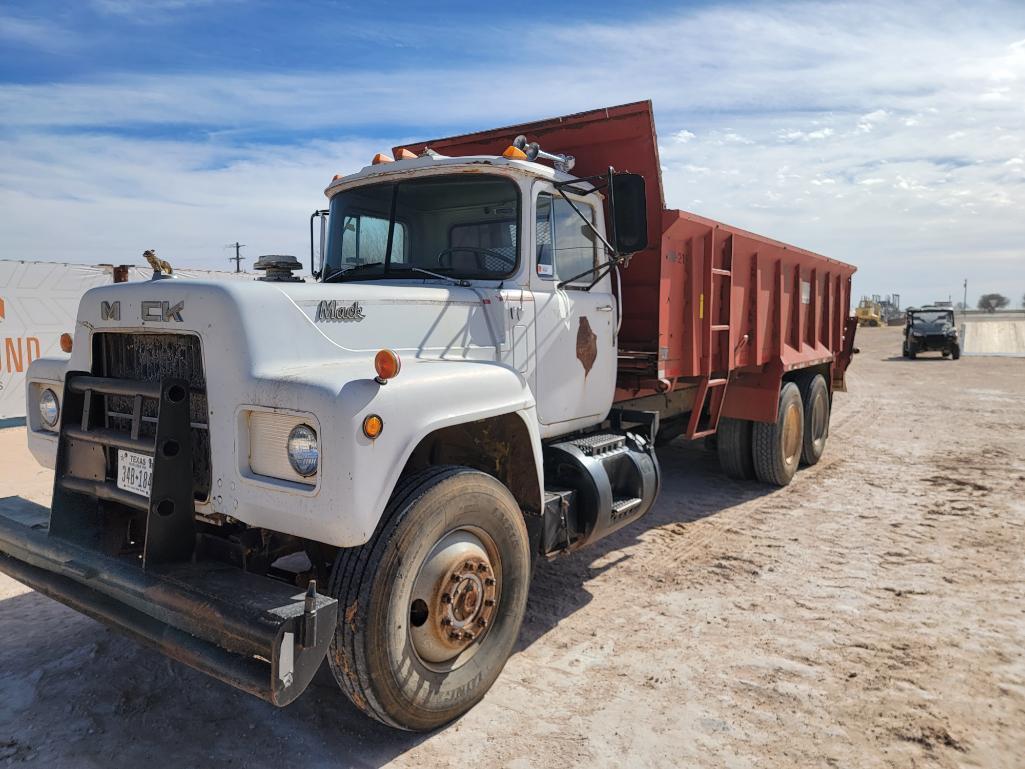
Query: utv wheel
(955, 351)
(734, 448)
(430, 607)
(777, 445)
(815, 396)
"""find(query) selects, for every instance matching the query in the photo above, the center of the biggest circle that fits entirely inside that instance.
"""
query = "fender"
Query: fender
(434, 394)
(357, 474)
(43, 373)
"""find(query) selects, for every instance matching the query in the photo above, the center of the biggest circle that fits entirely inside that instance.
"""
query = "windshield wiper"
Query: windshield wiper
(347, 270)
(453, 281)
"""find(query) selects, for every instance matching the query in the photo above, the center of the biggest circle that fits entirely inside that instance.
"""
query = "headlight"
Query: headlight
(303, 453)
(49, 408)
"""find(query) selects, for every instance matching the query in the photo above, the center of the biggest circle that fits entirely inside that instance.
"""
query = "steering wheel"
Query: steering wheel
(480, 253)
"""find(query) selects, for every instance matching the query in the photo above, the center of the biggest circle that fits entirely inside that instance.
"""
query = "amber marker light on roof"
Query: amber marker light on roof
(387, 364)
(372, 426)
(514, 153)
(379, 158)
(67, 342)
(404, 154)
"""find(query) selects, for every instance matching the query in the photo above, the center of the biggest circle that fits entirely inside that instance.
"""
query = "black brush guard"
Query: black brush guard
(250, 631)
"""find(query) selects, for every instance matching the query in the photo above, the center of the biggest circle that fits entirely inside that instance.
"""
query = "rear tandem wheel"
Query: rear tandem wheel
(777, 445)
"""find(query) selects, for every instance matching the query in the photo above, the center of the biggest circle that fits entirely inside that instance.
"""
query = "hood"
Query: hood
(298, 323)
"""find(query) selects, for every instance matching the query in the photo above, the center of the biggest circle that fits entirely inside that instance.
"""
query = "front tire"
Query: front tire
(777, 445)
(430, 607)
(955, 351)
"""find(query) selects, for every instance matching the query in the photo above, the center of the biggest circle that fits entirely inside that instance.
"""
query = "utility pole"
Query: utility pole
(965, 310)
(237, 258)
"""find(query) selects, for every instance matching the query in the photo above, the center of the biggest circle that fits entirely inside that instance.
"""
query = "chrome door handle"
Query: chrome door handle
(605, 308)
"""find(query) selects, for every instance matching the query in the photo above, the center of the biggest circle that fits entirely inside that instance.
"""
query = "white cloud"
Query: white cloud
(871, 120)
(798, 135)
(780, 120)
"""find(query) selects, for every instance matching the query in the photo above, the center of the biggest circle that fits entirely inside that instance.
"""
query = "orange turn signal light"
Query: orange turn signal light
(379, 158)
(66, 342)
(372, 426)
(387, 364)
(514, 153)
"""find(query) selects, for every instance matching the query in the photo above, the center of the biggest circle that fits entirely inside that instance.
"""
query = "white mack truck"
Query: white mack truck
(364, 467)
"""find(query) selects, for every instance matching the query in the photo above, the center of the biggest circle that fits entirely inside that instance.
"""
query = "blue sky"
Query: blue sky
(890, 135)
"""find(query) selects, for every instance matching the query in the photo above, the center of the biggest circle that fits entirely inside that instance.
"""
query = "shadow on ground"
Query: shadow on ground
(70, 689)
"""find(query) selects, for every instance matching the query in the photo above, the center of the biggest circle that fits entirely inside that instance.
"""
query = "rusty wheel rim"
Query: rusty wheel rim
(455, 598)
(791, 434)
(818, 419)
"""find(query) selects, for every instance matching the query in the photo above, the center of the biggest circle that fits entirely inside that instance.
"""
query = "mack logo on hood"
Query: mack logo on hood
(162, 311)
(331, 310)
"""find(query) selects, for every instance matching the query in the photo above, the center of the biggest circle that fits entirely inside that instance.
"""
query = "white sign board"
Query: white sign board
(38, 303)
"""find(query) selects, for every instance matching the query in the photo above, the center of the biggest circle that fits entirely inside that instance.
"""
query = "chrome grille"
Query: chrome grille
(150, 358)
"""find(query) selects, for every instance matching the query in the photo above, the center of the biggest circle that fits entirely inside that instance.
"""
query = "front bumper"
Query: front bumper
(249, 631)
(245, 629)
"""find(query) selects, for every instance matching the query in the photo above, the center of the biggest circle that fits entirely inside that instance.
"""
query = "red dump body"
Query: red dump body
(707, 308)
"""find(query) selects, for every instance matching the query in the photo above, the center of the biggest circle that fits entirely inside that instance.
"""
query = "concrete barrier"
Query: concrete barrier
(996, 337)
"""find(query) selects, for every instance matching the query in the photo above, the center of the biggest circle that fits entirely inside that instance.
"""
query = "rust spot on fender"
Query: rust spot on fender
(587, 345)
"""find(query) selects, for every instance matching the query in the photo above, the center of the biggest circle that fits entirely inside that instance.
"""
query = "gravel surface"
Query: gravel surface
(869, 615)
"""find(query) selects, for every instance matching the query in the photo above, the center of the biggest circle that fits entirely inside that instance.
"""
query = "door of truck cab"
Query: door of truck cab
(575, 329)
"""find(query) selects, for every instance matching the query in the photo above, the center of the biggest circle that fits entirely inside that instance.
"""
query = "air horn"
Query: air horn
(533, 151)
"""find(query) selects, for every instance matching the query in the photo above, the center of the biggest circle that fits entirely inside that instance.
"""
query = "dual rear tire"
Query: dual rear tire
(772, 451)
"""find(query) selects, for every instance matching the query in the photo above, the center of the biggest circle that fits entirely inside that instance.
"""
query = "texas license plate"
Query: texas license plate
(134, 472)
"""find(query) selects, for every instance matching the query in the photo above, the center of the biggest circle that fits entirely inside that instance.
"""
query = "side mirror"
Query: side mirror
(322, 215)
(629, 213)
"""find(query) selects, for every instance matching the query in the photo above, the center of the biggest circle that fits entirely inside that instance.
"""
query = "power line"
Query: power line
(237, 258)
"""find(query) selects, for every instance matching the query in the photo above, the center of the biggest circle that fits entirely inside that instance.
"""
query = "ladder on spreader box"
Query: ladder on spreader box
(716, 361)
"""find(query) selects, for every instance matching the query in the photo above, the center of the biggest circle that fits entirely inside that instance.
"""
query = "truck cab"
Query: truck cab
(495, 230)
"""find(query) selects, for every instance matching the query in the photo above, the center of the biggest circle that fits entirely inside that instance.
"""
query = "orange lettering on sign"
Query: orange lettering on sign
(19, 352)
(14, 358)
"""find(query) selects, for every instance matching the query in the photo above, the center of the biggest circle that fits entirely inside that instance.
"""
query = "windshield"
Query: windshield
(460, 226)
(939, 320)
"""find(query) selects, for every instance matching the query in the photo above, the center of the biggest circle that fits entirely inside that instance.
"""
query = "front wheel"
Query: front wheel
(955, 351)
(430, 607)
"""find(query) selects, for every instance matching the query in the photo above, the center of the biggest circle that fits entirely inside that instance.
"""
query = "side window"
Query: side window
(565, 245)
(365, 240)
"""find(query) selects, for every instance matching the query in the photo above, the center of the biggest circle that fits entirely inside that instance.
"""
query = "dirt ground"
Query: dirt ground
(870, 615)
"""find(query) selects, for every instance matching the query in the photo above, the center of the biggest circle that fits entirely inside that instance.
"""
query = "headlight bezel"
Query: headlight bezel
(302, 448)
(46, 396)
